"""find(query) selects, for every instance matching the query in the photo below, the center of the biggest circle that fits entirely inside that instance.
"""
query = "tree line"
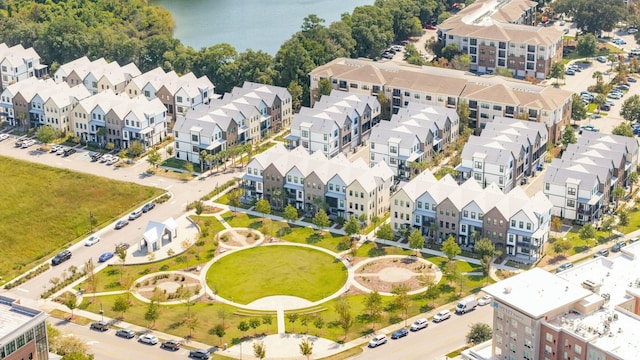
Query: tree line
(133, 31)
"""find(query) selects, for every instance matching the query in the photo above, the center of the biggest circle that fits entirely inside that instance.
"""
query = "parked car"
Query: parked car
(378, 340)
(69, 151)
(100, 326)
(603, 252)
(570, 72)
(623, 87)
(28, 143)
(4, 137)
(148, 207)
(561, 23)
(126, 333)
(442, 316)
(399, 333)
(601, 59)
(631, 79)
(485, 300)
(430, 27)
(565, 30)
(199, 354)
(419, 324)
(631, 241)
(61, 257)
(563, 267)
(105, 256)
(632, 31)
(96, 156)
(104, 158)
(171, 345)
(61, 150)
(148, 339)
(614, 95)
(123, 246)
(122, 223)
(94, 239)
(55, 148)
(114, 160)
(618, 246)
(134, 215)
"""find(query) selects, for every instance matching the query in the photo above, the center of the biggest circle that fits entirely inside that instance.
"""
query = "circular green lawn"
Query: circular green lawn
(251, 274)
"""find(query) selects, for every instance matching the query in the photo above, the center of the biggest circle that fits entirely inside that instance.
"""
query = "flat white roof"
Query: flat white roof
(12, 318)
(536, 292)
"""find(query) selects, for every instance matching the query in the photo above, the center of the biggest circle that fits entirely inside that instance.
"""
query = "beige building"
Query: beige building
(502, 33)
(487, 96)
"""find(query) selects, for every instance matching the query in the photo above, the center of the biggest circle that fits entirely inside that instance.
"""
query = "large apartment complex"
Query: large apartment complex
(487, 96)
(502, 33)
(517, 224)
(506, 153)
(246, 115)
(309, 181)
(589, 312)
(581, 183)
(23, 331)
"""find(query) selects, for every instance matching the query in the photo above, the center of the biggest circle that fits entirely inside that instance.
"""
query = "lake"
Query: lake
(255, 24)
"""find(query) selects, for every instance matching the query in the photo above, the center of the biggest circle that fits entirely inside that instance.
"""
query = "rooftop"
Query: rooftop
(14, 316)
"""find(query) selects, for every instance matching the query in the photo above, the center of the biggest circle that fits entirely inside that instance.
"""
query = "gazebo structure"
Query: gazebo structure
(157, 234)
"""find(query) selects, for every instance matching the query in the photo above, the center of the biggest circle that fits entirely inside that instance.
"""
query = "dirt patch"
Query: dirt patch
(208, 209)
(374, 283)
(238, 238)
(408, 263)
(383, 274)
(169, 286)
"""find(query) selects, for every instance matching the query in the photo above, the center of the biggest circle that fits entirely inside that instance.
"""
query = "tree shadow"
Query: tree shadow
(314, 238)
(377, 251)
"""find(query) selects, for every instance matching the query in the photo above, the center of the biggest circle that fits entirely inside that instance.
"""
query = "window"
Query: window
(513, 223)
(549, 337)
(577, 349)
(571, 191)
(571, 203)
(520, 224)
(477, 176)
(478, 165)
(465, 213)
(419, 204)
(528, 226)
(546, 186)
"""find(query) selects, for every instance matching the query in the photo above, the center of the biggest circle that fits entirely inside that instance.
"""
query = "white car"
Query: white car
(28, 143)
(92, 240)
(148, 339)
(60, 150)
(419, 324)
(55, 148)
(4, 137)
(442, 316)
(105, 158)
(114, 160)
(485, 300)
(378, 340)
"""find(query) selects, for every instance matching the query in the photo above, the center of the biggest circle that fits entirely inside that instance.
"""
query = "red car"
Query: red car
(430, 27)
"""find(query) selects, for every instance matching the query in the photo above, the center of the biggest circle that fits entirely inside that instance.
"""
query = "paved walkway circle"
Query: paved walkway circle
(381, 273)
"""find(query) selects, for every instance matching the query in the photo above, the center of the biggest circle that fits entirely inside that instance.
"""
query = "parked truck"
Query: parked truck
(467, 304)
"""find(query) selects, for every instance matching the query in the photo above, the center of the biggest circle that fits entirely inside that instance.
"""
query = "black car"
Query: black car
(148, 207)
(603, 252)
(122, 246)
(122, 223)
(126, 333)
(69, 151)
(618, 246)
(62, 257)
(100, 326)
(96, 156)
(199, 354)
(170, 345)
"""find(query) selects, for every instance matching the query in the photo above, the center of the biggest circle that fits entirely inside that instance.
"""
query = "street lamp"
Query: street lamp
(101, 312)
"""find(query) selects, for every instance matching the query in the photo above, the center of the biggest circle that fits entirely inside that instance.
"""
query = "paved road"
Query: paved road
(107, 346)
(432, 343)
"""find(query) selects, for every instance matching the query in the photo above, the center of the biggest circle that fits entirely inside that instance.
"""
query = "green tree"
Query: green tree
(154, 158)
(345, 318)
(169, 150)
(591, 16)
(243, 326)
(599, 100)
(479, 333)
(568, 136)
(608, 224)
(372, 30)
(618, 193)
(632, 179)
(234, 199)
(70, 301)
(557, 70)
(401, 299)
(385, 106)
(487, 251)
(556, 223)
(152, 314)
(259, 349)
(450, 248)
(385, 232)
(416, 241)
(263, 207)
(135, 149)
(587, 45)
(254, 323)
(623, 218)
(292, 317)
(464, 113)
(623, 129)
(121, 305)
(352, 226)
(451, 272)
(306, 348)
(290, 213)
(578, 109)
(631, 108)
(450, 51)
(69, 347)
(324, 88)
(432, 293)
(45, 134)
(218, 331)
(587, 232)
(321, 220)
(373, 307)
(503, 71)
(296, 95)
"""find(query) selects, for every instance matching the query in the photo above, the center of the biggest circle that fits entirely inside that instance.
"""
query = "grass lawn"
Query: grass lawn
(172, 317)
(634, 221)
(51, 207)
(258, 272)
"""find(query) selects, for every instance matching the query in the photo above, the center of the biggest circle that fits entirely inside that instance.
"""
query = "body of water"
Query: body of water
(249, 24)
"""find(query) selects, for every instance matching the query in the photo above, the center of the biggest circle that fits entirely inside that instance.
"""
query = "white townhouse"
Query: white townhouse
(64, 70)
(58, 108)
(574, 194)
(197, 134)
(18, 64)
(89, 116)
(396, 146)
(149, 83)
(489, 161)
(145, 121)
(529, 222)
(368, 194)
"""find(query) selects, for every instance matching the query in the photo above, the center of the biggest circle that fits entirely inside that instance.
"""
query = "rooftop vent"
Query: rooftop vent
(507, 289)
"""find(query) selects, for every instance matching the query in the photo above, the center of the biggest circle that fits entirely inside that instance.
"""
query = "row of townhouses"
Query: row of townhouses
(18, 64)
(588, 312)
(517, 224)
(245, 115)
(486, 96)
(413, 134)
(308, 181)
(506, 152)
(502, 34)
(337, 123)
(580, 184)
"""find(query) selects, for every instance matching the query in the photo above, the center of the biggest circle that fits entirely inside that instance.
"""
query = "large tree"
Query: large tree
(623, 129)
(478, 333)
(557, 70)
(450, 248)
(631, 108)
(416, 241)
(568, 136)
(587, 45)
(578, 109)
(372, 30)
(592, 16)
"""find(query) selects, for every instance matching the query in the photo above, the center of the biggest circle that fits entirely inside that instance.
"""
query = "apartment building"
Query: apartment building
(182, 94)
(245, 116)
(97, 76)
(487, 96)
(338, 123)
(588, 312)
(580, 184)
(414, 134)
(89, 117)
(18, 64)
(503, 34)
(308, 181)
(23, 334)
(506, 153)
(517, 224)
